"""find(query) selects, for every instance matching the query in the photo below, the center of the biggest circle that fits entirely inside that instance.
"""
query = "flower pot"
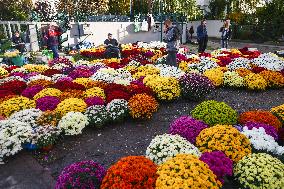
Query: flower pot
(47, 148)
(29, 146)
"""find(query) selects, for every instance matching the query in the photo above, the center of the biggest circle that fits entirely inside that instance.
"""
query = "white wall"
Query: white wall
(213, 27)
(122, 31)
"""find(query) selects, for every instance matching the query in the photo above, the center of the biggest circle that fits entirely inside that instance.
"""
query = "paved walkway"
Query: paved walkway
(24, 172)
(215, 44)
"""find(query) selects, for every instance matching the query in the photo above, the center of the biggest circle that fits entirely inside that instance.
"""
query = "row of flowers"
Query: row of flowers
(197, 153)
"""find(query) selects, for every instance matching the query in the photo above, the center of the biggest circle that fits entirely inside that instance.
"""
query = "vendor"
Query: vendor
(112, 48)
(19, 42)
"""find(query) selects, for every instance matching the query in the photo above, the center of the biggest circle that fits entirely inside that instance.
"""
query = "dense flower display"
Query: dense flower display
(71, 105)
(262, 141)
(255, 82)
(195, 86)
(270, 130)
(165, 88)
(47, 103)
(13, 133)
(118, 109)
(219, 163)
(187, 127)
(142, 106)
(135, 172)
(163, 147)
(213, 112)
(224, 138)
(260, 116)
(278, 111)
(84, 174)
(28, 116)
(73, 123)
(47, 92)
(260, 171)
(15, 104)
(184, 171)
(98, 115)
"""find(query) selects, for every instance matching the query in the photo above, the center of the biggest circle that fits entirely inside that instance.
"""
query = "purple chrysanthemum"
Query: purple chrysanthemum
(47, 103)
(187, 127)
(30, 92)
(84, 175)
(92, 101)
(219, 163)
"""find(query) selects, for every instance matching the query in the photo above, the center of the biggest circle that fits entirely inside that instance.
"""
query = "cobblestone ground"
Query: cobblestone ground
(38, 171)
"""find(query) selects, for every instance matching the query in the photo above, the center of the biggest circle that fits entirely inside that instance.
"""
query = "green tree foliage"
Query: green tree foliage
(15, 9)
(44, 10)
(270, 20)
(217, 9)
(121, 7)
(82, 8)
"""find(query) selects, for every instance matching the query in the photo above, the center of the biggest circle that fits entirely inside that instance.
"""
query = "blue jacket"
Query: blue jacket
(171, 39)
(201, 32)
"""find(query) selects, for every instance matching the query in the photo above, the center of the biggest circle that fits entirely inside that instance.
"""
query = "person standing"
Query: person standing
(225, 34)
(51, 39)
(172, 39)
(191, 31)
(19, 42)
(202, 36)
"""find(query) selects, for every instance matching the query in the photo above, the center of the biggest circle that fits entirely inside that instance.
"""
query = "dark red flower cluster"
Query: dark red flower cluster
(68, 85)
(51, 72)
(224, 60)
(116, 91)
(15, 86)
(134, 89)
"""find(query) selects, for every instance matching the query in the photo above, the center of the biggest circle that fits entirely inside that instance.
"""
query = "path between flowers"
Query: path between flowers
(37, 171)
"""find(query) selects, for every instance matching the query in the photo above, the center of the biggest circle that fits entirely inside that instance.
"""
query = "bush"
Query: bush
(142, 106)
(131, 172)
(255, 82)
(195, 86)
(260, 171)
(260, 116)
(213, 112)
(219, 163)
(184, 171)
(84, 174)
(98, 115)
(187, 127)
(224, 138)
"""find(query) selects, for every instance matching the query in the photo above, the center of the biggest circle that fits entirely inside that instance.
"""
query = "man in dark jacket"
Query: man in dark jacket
(202, 36)
(112, 49)
(19, 42)
(51, 39)
(172, 39)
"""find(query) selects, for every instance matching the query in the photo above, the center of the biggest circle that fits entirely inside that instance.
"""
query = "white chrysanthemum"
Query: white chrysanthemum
(239, 63)
(262, 141)
(11, 78)
(97, 115)
(28, 116)
(170, 71)
(118, 109)
(59, 66)
(73, 123)
(37, 77)
(163, 147)
(110, 75)
(204, 64)
(12, 134)
(269, 61)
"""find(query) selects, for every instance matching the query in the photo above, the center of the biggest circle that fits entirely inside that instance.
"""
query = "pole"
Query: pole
(161, 19)
(130, 8)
